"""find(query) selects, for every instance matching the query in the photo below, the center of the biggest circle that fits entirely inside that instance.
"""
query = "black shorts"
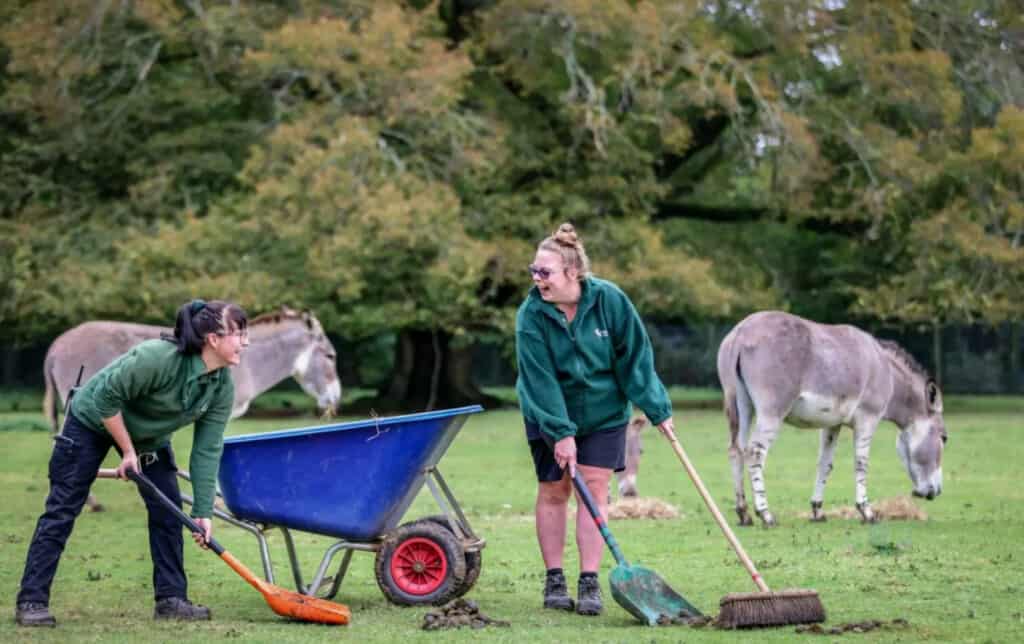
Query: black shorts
(606, 449)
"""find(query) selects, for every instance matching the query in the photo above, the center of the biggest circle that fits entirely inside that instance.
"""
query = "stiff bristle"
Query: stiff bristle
(781, 608)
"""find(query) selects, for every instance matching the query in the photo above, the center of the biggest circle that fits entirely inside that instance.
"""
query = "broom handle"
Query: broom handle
(733, 541)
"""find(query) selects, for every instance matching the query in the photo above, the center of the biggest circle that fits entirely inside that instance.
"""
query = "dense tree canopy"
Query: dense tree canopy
(392, 165)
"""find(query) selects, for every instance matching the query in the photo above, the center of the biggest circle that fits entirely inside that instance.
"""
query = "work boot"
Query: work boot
(178, 608)
(33, 614)
(588, 596)
(556, 593)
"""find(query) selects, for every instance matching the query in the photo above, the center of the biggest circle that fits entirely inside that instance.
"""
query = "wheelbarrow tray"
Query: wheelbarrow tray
(353, 480)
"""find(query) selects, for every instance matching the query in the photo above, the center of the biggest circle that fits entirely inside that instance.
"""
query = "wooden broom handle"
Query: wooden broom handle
(747, 563)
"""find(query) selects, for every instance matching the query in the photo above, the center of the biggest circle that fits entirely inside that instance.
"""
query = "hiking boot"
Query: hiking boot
(33, 614)
(588, 596)
(556, 593)
(178, 608)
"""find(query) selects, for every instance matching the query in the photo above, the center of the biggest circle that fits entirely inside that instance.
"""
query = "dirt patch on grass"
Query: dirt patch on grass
(900, 508)
(458, 614)
(685, 619)
(854, 627)
(640, 507)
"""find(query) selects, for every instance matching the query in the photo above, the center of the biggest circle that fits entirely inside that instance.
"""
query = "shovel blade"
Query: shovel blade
(646, 596)
(305, 608)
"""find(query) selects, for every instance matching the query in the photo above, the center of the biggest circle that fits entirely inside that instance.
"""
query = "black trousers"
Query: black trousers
(77, 455)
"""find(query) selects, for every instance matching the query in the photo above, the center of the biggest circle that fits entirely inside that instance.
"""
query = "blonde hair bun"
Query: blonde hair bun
(566, 243)
(566, 235)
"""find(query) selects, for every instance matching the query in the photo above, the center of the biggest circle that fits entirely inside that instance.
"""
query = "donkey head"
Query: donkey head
(315, 369)
(921, 440)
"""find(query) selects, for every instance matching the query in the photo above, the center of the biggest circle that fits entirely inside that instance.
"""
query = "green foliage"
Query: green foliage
(392, 165)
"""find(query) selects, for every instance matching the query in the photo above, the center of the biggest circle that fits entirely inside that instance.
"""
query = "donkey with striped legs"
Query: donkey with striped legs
(775, 367)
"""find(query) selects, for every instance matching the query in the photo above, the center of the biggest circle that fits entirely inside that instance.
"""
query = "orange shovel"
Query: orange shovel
(281, 601)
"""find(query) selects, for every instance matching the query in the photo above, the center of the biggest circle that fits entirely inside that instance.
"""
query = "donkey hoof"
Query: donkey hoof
(817, 516)
(745, 519)
(97, 507)
(867, 515)
(767, 519)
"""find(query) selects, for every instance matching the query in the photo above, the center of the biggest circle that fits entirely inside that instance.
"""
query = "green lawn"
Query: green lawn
(956, 577)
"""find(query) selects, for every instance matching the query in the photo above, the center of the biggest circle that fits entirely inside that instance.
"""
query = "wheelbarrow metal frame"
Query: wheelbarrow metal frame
(443, 496)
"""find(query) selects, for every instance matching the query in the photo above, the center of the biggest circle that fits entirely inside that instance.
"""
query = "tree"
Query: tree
(120, 116)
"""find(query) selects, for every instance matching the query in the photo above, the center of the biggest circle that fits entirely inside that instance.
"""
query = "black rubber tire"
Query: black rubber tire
(444, 543)
(474, 560)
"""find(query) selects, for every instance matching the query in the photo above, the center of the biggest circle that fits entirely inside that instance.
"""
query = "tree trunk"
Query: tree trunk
(1013, 382)
(937, 351)
(428, 374)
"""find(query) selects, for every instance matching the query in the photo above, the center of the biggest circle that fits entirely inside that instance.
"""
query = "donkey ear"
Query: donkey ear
(934, 397)
(307, 317)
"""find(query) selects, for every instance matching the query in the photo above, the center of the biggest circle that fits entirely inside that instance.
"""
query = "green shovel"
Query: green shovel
(640, 591)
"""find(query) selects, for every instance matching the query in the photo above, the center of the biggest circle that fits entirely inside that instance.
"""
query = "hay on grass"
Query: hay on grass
(639, 507)
(899, 508)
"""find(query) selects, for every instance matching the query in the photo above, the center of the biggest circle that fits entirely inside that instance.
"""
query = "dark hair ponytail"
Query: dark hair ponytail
(198, 318)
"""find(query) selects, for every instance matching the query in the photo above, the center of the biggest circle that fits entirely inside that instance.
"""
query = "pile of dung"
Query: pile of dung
(855, 627)
(684, 619)
(639, 507)
(895, 508)
(459, 613)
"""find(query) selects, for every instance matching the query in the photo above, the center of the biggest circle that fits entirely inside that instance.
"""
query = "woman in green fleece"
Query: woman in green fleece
(134, 404)
(583, 355)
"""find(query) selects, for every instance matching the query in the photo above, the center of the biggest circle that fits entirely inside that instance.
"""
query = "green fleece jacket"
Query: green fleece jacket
(158, 391)
(577, 378)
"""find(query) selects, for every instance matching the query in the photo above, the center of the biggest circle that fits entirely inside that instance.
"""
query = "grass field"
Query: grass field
(955, 577)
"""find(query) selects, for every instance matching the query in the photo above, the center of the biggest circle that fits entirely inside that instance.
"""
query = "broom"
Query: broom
(752, 610)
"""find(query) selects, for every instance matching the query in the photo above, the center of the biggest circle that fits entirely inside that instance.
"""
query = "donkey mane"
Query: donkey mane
(274, 317)
(905, 358)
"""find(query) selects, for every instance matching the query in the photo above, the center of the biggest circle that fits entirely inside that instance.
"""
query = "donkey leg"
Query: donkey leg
(738, 411)
(862, 434)
(94, 504)
(738, 476)
(755, 456)
(826, 452)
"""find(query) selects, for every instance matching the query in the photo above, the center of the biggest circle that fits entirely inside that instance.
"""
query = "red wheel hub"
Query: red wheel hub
(419, 566)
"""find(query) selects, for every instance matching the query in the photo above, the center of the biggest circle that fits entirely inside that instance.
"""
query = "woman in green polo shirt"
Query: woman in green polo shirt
(134, 404)
(583, 355)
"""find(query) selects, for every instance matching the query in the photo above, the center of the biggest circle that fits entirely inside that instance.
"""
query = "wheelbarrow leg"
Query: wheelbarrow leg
(449, 505)
(342, 569)
(293, 559)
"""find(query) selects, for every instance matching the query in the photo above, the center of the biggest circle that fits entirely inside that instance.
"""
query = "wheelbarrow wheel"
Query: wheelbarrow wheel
(420, 563)
(474, 560)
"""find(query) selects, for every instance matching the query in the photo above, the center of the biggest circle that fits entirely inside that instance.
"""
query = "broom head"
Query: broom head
(780, 608)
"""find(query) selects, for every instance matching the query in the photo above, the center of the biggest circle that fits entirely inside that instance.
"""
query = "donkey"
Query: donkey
(634, 448)
(778, 367)
(281, 344)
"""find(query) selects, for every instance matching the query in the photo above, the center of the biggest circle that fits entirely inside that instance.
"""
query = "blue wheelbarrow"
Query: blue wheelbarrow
(354, 481)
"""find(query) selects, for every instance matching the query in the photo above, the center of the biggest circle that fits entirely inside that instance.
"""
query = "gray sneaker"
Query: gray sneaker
(588, 596)
(178, 608)
(556, 593)
(33, 614)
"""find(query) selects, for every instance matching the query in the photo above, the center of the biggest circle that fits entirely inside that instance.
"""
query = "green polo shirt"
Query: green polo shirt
(579, 377)
(158, 391)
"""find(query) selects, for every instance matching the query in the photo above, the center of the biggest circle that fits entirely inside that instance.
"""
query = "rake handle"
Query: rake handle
(143, 482)
(708, 501)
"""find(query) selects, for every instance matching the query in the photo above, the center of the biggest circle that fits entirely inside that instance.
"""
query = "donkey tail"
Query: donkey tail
(742, 403)
(50, 396)
(737, 405)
